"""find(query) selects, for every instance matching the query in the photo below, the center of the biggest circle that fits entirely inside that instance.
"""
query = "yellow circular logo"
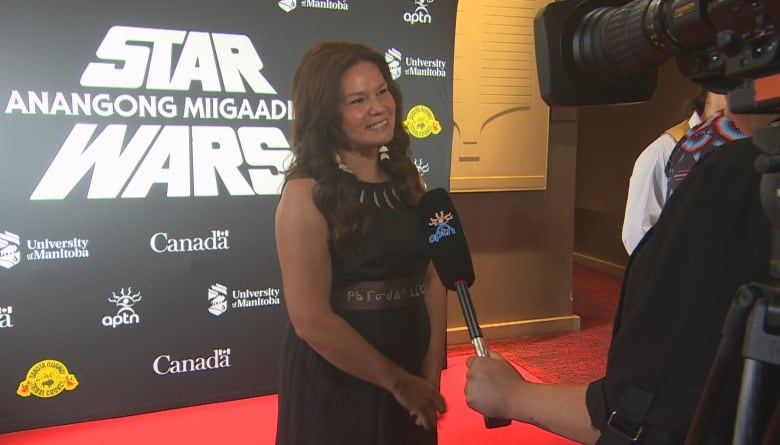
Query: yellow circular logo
(47, 378)
(421, 123)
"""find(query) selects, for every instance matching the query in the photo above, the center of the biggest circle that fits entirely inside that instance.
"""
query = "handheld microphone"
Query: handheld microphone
(452, 259)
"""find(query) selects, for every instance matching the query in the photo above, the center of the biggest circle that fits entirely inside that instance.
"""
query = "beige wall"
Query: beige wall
(521, 246)
(496, 99)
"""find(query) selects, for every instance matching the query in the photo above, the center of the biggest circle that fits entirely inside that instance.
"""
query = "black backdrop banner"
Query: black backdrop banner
(142, 144)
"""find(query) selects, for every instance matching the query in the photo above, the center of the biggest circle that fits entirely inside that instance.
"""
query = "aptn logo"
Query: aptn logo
(423, 167)
(125, 315)
(420, 15)
(441, 220)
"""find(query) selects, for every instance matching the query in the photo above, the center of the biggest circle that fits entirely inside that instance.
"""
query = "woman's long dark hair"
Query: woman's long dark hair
(316, 134)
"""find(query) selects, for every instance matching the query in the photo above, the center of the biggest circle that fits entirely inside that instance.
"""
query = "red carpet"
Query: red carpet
(253, 421)
(570, 358)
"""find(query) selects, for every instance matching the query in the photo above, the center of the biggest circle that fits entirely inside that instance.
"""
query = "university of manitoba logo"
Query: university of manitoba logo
(420, 122)
(393, 58)
(336, 5)
(220, 298)
(217, 296)
(5, 317)
(414, 66)
(47, 378)
(125, 315)
(287, 5)
(40, 249)
(441, 220)
(9, 250)
(420, 13)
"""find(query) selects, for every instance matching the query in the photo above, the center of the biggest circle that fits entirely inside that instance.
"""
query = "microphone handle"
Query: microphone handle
(476, 338)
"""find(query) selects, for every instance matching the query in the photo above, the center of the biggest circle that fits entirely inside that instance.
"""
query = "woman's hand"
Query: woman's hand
(421, 399)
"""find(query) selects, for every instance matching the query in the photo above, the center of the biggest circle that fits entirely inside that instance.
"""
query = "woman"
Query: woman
(362, 357)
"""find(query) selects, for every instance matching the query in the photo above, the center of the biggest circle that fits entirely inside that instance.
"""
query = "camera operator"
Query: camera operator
(712, 237)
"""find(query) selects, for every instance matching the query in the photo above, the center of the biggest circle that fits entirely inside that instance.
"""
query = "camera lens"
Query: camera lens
(614, 44)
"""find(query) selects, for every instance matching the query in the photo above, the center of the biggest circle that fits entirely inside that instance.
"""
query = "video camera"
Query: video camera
(592, 52)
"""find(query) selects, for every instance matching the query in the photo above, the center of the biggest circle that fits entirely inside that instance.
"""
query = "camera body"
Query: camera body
(601, 52)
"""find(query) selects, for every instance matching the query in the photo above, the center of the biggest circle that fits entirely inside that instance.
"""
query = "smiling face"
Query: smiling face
(366, 107)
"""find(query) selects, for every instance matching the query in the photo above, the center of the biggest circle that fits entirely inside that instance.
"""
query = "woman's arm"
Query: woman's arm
(496, 389)
(302, 245)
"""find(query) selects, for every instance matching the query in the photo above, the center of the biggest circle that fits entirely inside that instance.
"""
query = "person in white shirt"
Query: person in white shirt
(647, 186)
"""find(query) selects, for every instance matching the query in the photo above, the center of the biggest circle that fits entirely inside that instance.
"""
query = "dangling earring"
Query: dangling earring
(342, 166)
(384, 153)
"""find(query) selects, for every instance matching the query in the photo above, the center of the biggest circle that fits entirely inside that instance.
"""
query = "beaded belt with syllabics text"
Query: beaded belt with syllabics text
(372, 295)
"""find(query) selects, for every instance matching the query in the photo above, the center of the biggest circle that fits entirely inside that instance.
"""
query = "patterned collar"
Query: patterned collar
(716, 130)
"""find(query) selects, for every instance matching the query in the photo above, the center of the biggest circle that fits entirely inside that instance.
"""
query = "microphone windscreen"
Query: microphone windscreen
(446, 241)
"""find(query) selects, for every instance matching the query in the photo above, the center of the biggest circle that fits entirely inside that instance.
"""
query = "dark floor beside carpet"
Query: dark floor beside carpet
(573, 357)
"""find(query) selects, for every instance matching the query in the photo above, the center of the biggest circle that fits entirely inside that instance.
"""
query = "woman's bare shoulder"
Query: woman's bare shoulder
(296, 214)
(301, 183)
(298, 190)
(298, 197)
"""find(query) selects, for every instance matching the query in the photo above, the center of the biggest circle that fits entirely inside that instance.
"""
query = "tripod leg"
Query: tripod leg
(745, 431)
(772, 435)
(733, 333)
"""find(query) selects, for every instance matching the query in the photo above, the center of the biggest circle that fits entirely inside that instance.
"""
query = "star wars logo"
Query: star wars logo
(132, 57)
(189, 160)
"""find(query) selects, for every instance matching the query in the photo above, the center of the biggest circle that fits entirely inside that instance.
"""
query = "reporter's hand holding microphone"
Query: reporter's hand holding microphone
(492, 384)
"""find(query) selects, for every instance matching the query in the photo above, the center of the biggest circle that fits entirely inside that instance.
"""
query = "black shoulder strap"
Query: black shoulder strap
(625, 424)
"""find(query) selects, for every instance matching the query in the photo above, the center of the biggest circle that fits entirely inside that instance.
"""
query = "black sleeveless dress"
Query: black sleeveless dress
(322, 405)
